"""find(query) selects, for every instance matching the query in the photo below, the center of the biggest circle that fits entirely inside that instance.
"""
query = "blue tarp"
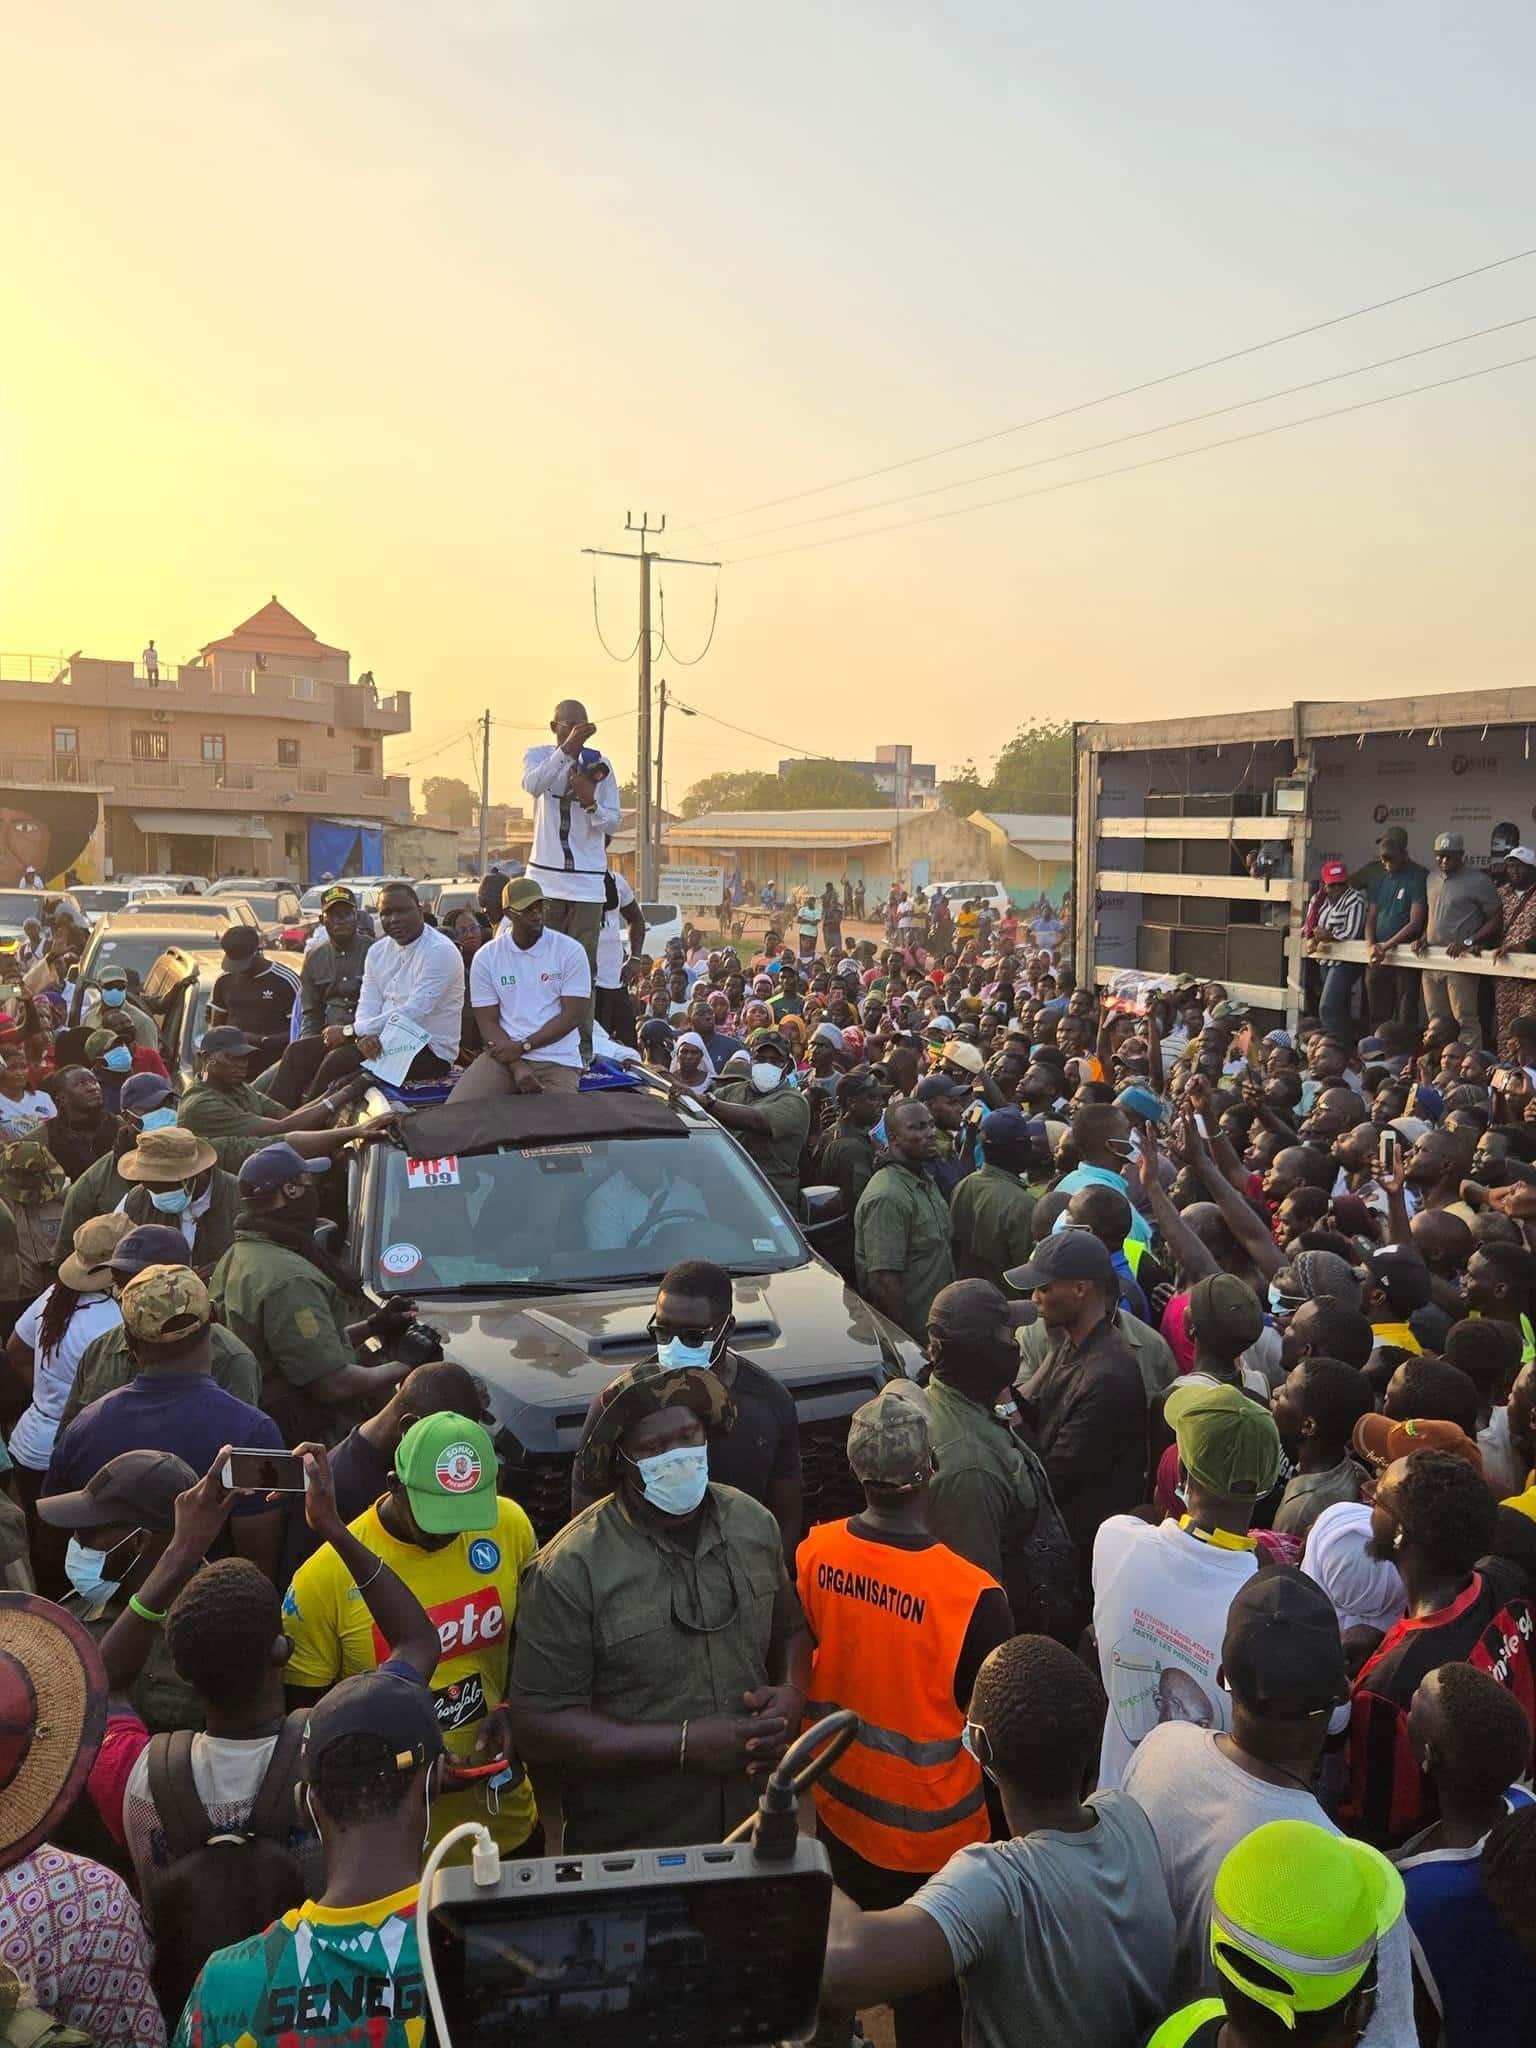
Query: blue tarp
(344, 849)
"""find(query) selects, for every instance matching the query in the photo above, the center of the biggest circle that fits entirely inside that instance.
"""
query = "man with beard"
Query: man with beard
(1436, 1168)
(288, 1301)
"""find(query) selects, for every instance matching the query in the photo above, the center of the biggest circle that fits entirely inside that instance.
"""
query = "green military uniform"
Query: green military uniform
(97, 1192)
(161, 1696)
(214, 1230)
(849, 1161)
(598, 1627)
(1154, 1357)
(330, 982)
(984, 1496)
(105, 1365)
(902, 1226)
(294, 1319)
(225, 1116)
(97, 1017)
(992, 1212)
(778, 1152)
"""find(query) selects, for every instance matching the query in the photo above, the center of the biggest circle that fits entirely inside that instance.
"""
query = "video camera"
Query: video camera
(639, 1948)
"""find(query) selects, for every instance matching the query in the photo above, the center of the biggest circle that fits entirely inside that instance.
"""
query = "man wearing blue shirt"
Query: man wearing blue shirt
(1397, 904)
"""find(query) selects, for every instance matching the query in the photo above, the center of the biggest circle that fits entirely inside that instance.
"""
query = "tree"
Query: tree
(804, 786)
(447, 797)
(1033, 772)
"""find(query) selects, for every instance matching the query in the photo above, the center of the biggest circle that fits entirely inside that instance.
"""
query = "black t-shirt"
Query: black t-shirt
(261, 1004)
(764, 1445)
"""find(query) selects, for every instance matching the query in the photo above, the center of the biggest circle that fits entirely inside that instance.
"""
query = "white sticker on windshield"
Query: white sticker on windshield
(432, 1173)
(108, 946)
(762, 1244)
(399, 1259)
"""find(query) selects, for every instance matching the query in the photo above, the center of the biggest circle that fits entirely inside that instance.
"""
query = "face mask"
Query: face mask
(1119, 1148)
(172, 1202)
(1276, 1300)
(676, 1354)
(674, 1481)
(157, 1119)
(766, 1076)
(302, 1208)
(86, 1570)
(118, 1061)
(114, 998)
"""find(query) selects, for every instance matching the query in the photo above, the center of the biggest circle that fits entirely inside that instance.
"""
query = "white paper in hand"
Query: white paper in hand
(400, 1039)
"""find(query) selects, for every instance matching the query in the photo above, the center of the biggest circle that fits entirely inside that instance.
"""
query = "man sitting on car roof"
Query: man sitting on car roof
(530, 987)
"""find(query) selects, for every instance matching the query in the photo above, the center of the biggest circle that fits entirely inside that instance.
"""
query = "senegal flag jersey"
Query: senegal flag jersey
(469, 1588)
(321, 1974)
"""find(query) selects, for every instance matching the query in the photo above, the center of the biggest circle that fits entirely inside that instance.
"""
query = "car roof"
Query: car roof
(434, 1129)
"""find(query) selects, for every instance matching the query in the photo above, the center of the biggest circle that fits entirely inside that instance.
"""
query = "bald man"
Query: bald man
(576, 807)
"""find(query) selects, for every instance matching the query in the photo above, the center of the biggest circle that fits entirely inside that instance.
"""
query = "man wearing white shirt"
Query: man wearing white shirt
(530, 988)
(412, 969)
(576, 808)
(612, 1003)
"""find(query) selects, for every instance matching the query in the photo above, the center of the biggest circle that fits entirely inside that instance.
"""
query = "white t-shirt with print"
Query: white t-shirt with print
(526, 985)
(24, 1119)
(53, 1373)
(1160, 1600)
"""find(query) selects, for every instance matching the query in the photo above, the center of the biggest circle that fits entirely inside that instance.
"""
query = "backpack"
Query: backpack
(222, 1884)
(22, 2025)
(1045, 1582)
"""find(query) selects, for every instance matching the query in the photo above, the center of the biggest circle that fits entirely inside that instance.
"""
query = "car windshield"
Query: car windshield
(93, 900)
(213, 909)
(592, 1214)
(264, 902)
(137, 951)
(17, 905)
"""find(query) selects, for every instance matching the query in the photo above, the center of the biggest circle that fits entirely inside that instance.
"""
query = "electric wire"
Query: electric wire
(714, 618)
(1128, 468)
(598, 624)
(1191, 419)
(805, 753)
(1125, 391)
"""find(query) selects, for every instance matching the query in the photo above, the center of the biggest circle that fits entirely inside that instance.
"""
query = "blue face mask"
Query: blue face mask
(114, 998)
(172, 1202)
(156, 1119)
(86, 1570)
(1276, 1300)
(674, 1482)
(118, 1061)
(676, 1354)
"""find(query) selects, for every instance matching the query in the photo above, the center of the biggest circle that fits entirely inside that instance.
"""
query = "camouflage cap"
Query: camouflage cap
(164, 1304)
(644, 1389)
(890, 1442)
(29, 1160)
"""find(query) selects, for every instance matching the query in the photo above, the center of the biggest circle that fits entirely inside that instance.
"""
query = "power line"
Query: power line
(1125, 391)
(789, 748)
(431, 754)
(1191, 419)
(1127, 468)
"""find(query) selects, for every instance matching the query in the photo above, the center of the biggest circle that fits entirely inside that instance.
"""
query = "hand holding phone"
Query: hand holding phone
(1387, 1153)
(264, 1471)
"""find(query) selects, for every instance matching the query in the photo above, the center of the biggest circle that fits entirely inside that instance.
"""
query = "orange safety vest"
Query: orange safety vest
(889, 1626)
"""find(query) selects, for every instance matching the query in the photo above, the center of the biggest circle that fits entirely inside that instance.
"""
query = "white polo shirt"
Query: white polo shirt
(526, 985)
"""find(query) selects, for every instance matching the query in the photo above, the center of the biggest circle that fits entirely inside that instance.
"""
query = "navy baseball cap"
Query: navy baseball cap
(273, 1165)
(152, 1244)
(1069, 1255)
(1001, 1129)
(226, 1038)
(938, 1088)
(398, 1712)
(143, 1092)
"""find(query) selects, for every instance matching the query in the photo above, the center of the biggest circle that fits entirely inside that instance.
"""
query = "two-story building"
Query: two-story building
(261, 757)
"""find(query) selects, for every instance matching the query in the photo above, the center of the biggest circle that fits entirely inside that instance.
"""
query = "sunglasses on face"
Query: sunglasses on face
(687, 1333)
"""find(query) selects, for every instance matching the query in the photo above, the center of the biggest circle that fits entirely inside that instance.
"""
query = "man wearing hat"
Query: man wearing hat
(1465, 914)
(531, 989)
(903, 1241)
(83, 1957)
(653, 1728)
(147, 1102)
(1283, 1664)
(107, 1361)
(1300, 1919)
(172, 1403)
(1161, 1591)
(34, 1197)
(1396, 906)
(767, 1115)
(174, 1177)
(991, 1209)
(946, 1101)
(461, 1548)
(901, 1625)
(330, 983)
(848, 1156)
(1086, 1405)
(253, 992)
(238, 1119)
(291, 1304)
(110, 1003)
(1339, 915)
(110, 1052)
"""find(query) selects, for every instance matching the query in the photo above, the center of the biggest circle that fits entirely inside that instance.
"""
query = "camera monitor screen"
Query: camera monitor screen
(697, 1964)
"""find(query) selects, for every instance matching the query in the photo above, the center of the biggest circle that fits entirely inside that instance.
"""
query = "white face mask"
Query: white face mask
(674, 1482)
(766, 1076)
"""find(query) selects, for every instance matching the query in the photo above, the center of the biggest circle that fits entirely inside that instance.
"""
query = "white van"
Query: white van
(992, 895)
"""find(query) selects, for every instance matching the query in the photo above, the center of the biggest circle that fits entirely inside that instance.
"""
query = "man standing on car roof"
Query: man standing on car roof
(575, 811)
(530, 987)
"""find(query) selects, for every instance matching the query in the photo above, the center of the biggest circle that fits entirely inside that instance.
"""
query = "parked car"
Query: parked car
(179, 885)
(547, 1312)
(444, 895)
(277, 910)
(217, 911)
(100, 898)
(663, 923)
(16, 906)
(985, 895)
(243, 885)
(135, 941)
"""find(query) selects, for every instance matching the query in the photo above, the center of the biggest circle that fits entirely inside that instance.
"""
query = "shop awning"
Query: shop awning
(205, 824)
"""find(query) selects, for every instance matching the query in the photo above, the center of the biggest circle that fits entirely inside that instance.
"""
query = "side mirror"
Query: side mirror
(821, 1209)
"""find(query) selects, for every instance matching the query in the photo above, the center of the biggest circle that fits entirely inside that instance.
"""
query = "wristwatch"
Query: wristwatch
(349, 1031)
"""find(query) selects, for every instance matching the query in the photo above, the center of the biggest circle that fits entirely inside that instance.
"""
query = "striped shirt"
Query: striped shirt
(1343, 918)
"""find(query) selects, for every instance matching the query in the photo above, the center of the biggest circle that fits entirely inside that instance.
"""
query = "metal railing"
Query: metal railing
(34, 668)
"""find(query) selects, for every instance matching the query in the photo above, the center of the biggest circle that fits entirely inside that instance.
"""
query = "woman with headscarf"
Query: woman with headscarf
(1517, 893)
(692, 1068)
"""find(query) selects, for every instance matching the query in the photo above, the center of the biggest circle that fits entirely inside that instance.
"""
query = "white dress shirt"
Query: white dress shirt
(424, 980)
(569, 856)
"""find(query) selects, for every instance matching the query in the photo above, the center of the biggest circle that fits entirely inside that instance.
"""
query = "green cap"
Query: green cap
(1297, 1913)
(447, 1465)
(522, 893)
(1227, 1443)
(889, 1440)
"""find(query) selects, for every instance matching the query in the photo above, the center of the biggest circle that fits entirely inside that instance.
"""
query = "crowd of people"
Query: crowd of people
(1187, 1617)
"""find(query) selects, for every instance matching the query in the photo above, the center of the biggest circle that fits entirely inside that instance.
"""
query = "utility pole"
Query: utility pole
(485, 780)
(661, 755)
(645, 838)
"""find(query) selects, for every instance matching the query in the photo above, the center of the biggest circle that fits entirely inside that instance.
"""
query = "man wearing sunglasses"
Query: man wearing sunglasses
(662, 1656)
(692, 1325)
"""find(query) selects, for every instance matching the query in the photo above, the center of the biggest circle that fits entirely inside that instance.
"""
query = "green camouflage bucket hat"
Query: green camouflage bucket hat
(642, 1390)
(30, 1174)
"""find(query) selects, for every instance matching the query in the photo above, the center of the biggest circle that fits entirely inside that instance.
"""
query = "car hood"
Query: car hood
(542, 1359)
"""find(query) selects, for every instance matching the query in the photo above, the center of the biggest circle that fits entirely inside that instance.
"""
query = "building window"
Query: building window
(150, 746)
(362, 760)
(66, 739)
(287, 753)
(213, 748)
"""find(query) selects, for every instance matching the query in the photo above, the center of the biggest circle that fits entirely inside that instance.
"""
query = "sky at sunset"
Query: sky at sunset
(391, 310)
